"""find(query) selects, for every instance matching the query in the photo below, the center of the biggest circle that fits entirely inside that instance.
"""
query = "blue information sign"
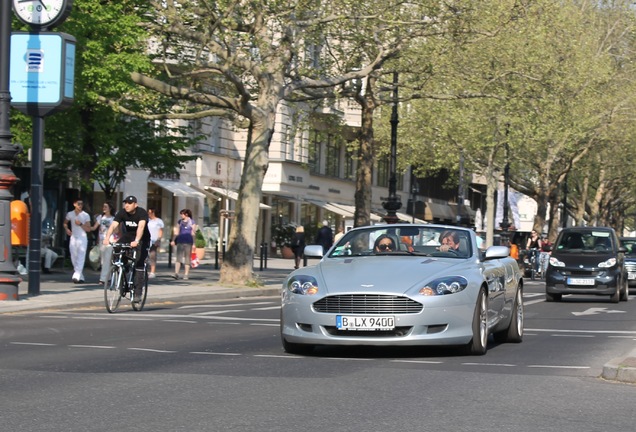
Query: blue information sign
(42, 72)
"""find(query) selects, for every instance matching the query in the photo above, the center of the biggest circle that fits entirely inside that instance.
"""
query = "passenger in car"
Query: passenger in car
(384, 243)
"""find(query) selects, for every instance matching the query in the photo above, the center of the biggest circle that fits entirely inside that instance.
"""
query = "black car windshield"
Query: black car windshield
(420, 240)
(630, 245)
(588, 241)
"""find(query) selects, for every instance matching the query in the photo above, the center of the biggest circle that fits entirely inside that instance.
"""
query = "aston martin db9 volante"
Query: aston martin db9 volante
(403, 285)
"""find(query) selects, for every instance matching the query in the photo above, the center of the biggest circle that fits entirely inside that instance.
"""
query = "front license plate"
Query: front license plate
(631, 275)
(365, 323)
(580, 281)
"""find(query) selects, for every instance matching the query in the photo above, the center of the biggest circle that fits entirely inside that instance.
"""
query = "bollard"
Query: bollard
(265, 247)
(261, 258)
(223, 251)
(216, 255)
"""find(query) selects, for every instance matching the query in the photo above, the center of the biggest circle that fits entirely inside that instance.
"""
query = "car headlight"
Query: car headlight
(303, 285)
(445, 285)
(556, 263)
(609, 263)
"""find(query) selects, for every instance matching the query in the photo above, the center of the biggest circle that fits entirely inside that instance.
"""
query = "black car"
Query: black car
(629, 243)
(587, 260)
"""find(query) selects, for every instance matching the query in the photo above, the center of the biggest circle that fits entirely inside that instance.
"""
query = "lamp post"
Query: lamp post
(564, 213)
(415, 189)
(505, 222)
(393, 203)
(8, 279)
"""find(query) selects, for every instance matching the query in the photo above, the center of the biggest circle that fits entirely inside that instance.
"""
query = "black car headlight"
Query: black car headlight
(607, 264)
(445, 285)
(303, 285)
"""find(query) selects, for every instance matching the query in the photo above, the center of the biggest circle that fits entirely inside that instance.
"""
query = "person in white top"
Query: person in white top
(155, 226)
(77, 224)
(102, 223)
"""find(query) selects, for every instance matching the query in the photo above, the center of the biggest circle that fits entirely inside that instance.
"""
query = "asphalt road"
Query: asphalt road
(219, 366)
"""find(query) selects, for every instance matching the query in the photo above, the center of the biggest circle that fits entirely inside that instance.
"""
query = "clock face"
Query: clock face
(41, 13)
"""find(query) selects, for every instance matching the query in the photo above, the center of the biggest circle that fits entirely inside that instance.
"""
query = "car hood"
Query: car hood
(583, 259)
(385, 273)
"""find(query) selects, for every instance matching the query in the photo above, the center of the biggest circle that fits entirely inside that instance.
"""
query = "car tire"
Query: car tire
(615, 298)
(552, 297)
(514, 332)
(478, 345)
(625, 292)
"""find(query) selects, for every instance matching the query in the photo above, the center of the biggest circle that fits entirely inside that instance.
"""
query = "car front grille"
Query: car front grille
(367, 304)
(630, 266)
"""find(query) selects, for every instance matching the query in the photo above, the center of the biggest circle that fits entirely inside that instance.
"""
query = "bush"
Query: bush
(199, 240)
(282, 234)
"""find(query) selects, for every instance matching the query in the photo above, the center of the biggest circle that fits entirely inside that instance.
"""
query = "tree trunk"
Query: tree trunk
(237, 268)
(364, 171)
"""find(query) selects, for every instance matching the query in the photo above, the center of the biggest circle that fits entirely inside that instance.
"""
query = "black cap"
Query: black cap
(130, 199)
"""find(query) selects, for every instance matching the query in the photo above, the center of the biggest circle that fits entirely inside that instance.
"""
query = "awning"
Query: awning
(231, 194)
(441, 212)
(352, 209)
(178, 189)
(330, 207)
(408, 218)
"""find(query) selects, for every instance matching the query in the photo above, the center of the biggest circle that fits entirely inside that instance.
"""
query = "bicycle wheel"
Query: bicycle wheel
(139, 305)
(112, 289)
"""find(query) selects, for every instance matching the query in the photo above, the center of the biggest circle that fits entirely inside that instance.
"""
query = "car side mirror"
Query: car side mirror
(622, 249)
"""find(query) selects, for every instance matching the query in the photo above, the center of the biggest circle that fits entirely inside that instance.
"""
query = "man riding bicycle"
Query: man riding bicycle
(134, 230)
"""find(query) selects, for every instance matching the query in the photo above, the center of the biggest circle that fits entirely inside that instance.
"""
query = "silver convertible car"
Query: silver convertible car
(403, 285)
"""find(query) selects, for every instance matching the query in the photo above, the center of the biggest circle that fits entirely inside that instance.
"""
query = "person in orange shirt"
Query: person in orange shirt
(514, 250)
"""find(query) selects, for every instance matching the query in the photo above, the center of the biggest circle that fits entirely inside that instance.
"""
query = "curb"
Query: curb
(622, 369)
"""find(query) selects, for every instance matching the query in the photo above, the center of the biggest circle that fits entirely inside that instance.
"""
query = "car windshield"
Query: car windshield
(422, 240)
(630, 245)
(585, 241)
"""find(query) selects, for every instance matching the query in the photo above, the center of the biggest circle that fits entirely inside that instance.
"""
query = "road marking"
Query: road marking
(215, 353)
(265, 325)
(223, 305)
(596, 311)
(573, 335)
(152, 350)
(181, 321)
(531, 302)
(489, 364)
(32, 343)
(92, 346)
(267, 308)
(417, 361)
(558, 367)
(218, 312)
(625, 332)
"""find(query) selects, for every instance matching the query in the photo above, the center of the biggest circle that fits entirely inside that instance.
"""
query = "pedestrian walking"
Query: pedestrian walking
(77, 224)
(184, 239)
(102, 223)
(155, 226)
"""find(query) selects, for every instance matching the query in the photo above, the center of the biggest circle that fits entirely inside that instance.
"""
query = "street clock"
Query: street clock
(42, 14)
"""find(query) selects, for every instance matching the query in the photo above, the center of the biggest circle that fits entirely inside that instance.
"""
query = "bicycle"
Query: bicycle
(120, 282)
(533, 263)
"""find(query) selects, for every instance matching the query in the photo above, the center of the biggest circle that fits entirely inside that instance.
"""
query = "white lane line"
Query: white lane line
(181, 321)
(573, 335)
(265, 325)
(32, 343)
(224, 305)
(489, 364)
(52, 316)
(529, 295)
(624, 332)
(417, 361)
(152, 350)
(215, 353)
(92, 346)
(267, 308)
(531, 302)
(558, 367)
(623, 337)
(202, 314)
(279, 356)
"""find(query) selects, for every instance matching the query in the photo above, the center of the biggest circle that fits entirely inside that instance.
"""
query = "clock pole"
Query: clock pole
(8, 279)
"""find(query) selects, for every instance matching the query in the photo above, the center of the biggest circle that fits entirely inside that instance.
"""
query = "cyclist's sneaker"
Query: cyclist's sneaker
(151, 275)
(185, 278)
(136, 298)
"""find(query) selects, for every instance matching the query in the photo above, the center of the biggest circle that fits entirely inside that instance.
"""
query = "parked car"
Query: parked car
(421, 291)
(587, 260)
(629, 243)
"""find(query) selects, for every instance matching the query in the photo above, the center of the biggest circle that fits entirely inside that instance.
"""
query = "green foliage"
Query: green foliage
(199, 240)
(282, 234)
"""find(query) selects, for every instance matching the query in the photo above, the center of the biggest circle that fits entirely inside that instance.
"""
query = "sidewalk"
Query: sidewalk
(58, 292)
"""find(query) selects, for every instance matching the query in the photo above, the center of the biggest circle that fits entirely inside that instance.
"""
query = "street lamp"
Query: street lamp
(393, 203)
(505, 222)
(8, 279)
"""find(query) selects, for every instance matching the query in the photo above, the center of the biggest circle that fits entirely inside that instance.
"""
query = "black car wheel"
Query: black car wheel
(479, 342)
(514, 332)
(552, 297)
(625, 291)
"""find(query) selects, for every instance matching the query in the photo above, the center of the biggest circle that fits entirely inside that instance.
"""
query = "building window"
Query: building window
(349, 164)
(315, 146)
(332, 167)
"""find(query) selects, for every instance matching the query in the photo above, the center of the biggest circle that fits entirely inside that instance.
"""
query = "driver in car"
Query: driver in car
(384, 243)
(450, 242)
